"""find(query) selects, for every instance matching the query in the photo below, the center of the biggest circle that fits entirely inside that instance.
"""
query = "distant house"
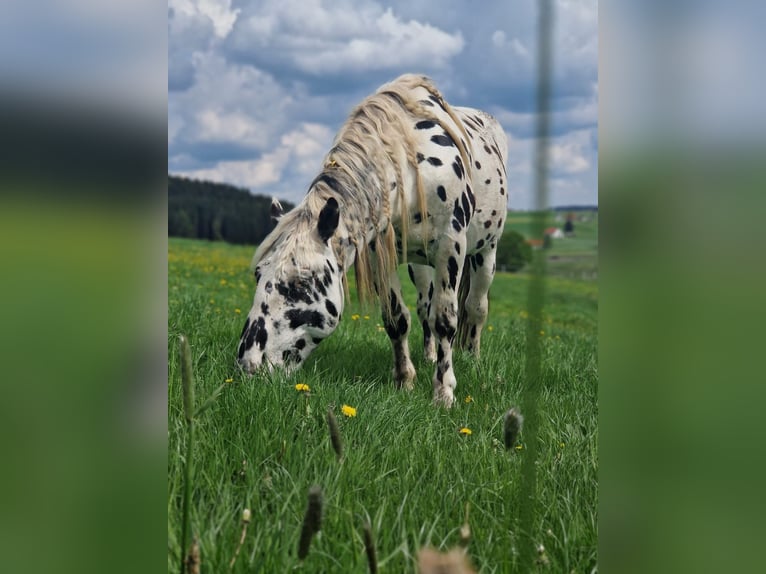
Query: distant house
(554, 233)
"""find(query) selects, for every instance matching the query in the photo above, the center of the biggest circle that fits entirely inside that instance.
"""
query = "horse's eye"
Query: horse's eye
(269, 287)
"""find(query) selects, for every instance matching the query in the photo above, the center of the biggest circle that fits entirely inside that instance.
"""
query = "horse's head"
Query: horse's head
(299, 292)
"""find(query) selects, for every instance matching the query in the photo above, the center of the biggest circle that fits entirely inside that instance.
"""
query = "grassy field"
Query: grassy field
(574, 257)
(406, 467)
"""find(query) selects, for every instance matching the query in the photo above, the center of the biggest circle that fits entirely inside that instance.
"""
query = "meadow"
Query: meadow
(406, 467)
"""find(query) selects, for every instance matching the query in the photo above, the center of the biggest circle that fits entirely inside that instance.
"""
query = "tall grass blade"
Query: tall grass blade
(187, 381)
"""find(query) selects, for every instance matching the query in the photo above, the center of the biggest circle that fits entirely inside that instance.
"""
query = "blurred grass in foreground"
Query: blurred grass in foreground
(680, 337)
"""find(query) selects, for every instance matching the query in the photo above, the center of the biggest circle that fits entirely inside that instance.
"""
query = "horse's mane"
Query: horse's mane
(375, 144)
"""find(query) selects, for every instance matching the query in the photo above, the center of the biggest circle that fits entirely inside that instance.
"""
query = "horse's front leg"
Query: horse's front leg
(396, 319)
(444, 315)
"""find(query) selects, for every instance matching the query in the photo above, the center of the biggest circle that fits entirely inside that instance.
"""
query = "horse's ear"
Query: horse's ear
(328, 219)
(276, 210)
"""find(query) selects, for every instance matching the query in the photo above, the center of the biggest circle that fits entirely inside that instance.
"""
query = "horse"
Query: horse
(408, 179)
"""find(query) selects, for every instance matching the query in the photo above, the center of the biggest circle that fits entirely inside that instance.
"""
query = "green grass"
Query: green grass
(574, 257)
(406, 467)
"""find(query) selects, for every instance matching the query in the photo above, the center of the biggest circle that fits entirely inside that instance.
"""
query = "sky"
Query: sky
(258, 89)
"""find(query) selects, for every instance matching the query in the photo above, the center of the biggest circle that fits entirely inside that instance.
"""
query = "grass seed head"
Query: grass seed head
(455, 561)
(511, 427)
(312, 522)
(337, 442)
(369, 547)
(193, 560)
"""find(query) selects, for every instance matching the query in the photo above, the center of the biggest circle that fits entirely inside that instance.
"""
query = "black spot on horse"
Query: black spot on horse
(290, 356)
(458, 214)
(486, 181)
(300, 317)
(486, 149)
(402, 326)
(269, 287)
(443, 140)
(434, 161)
(499, 223)
(426, 103)
(452, 269)
(487, 224)
(264, 309)
(457, 166)
(437, 101)
(257, 274)
(440, 354)
(262, 335)
(477, 164)
(478, 120)
(425, 125)
(294, 292)
(471, 196)
(479, 259)
(480, 244)
(396, 308)
(300, 344)
(502, 191)
(466, 208)
(430, 290)
(421, 157)
(441, 192)
(444, 328)
(426, 330)
(411, 273)
(417, 218)
(331, 308)
(473, 331)
(319, 286)
(316, 340)
(457, 248)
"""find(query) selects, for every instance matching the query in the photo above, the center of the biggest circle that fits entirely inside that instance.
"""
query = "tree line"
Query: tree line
(217, 212)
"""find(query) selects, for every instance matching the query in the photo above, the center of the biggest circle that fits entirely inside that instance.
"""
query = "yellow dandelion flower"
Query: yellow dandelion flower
(367, 317)
(347, 410)
(302, 387)
(466, 431)
(469, 399)
(229, 380)
(519, 447)
(561, 445)
(237, 311)
(381, 328)
(355, 317)
(223, 282)
(212, 302)
(490, 328)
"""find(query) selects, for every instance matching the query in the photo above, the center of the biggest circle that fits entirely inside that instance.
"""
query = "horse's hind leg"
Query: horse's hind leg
(397, 326)
(423, 278)
(476, 307)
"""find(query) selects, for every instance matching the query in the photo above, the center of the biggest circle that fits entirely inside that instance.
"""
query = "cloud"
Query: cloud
(297, 157)
(252, 78)
(308, 39)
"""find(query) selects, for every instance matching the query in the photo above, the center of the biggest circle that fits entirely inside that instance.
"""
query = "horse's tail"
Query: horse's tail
(462, 296)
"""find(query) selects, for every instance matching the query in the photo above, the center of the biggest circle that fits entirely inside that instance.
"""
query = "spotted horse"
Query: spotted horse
(408, 177)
